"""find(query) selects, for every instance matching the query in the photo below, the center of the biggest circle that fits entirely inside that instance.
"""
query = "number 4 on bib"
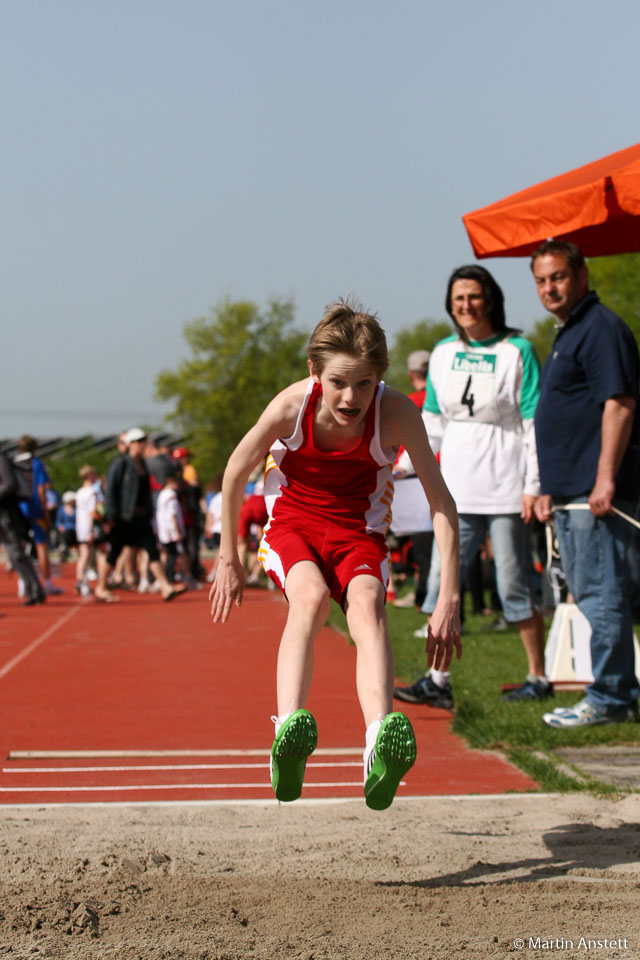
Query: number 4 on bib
(468, 398)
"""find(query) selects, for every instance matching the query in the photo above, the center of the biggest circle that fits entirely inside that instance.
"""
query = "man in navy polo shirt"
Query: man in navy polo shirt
(587, 432)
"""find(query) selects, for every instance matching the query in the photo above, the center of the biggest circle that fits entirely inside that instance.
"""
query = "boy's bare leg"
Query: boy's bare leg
(166, 588)
(144, 566)
(101, 591)
(367, 622)
(82, 563)
(308, 597)
(124, 569)
(104, 572)
(390, 745)
(532, 634)
(102, 567)
(42, 552)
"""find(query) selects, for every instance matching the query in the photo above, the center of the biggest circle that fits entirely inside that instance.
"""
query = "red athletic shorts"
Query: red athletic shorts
(341, 554)
(253, 511)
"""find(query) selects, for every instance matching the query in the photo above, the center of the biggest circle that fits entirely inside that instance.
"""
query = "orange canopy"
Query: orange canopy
(596, 206)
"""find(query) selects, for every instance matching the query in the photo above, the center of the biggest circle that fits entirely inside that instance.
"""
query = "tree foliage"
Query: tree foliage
(422, 336)
(241, 357)
(617, 282)
(542, 337)
(63, 468)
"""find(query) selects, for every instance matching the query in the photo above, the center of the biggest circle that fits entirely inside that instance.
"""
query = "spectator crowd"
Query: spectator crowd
(141, 526)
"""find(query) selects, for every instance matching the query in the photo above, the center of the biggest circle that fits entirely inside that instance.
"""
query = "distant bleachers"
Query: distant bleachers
(58, 447)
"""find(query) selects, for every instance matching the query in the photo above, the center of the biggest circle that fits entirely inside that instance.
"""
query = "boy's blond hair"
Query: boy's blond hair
(85, 472)
(347, 328)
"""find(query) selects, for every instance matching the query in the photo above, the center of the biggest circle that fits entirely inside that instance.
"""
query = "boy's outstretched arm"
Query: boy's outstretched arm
(278, 420)
(228, 585)
(402, 423)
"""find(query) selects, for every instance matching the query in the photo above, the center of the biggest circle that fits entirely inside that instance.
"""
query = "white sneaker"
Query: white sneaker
(156, 587)
(85, 590)
(587, 714)
(92, 575)
(143, 586)
(422, 632)
(21, 587)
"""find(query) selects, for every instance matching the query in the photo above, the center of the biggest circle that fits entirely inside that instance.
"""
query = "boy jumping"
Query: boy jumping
(332, 439)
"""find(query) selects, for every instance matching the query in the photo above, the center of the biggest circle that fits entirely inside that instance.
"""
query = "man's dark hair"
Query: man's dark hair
(347, 328)
(493, 297)
(564, 248)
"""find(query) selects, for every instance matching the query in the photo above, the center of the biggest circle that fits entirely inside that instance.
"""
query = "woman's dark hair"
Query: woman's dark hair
(493, 297)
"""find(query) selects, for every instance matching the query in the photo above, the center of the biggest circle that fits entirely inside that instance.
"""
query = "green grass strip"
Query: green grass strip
(491, 658)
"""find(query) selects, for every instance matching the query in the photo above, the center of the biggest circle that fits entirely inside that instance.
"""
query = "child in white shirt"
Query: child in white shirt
(170, 526)
(87, 499)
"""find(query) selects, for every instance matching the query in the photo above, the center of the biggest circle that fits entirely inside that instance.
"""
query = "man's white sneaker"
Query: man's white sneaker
(587, 714)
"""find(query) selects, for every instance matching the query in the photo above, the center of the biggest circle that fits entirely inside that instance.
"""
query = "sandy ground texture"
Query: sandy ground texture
(514, 876)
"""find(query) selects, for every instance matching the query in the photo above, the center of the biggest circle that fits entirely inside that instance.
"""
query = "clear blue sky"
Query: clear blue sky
(157, 156)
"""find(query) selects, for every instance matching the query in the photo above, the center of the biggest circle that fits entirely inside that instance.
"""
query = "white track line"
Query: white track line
(135, 768)
(120, 754)
(7, 808)
(38, 641)
(263, 785)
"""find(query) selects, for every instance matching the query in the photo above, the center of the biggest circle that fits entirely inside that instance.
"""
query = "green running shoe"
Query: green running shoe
(295, 740)
(393, 754)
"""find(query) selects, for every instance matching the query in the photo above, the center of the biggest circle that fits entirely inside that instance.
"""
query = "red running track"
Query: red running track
(146, 701)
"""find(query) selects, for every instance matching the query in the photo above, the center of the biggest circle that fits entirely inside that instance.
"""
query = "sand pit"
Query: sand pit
(429, 879)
